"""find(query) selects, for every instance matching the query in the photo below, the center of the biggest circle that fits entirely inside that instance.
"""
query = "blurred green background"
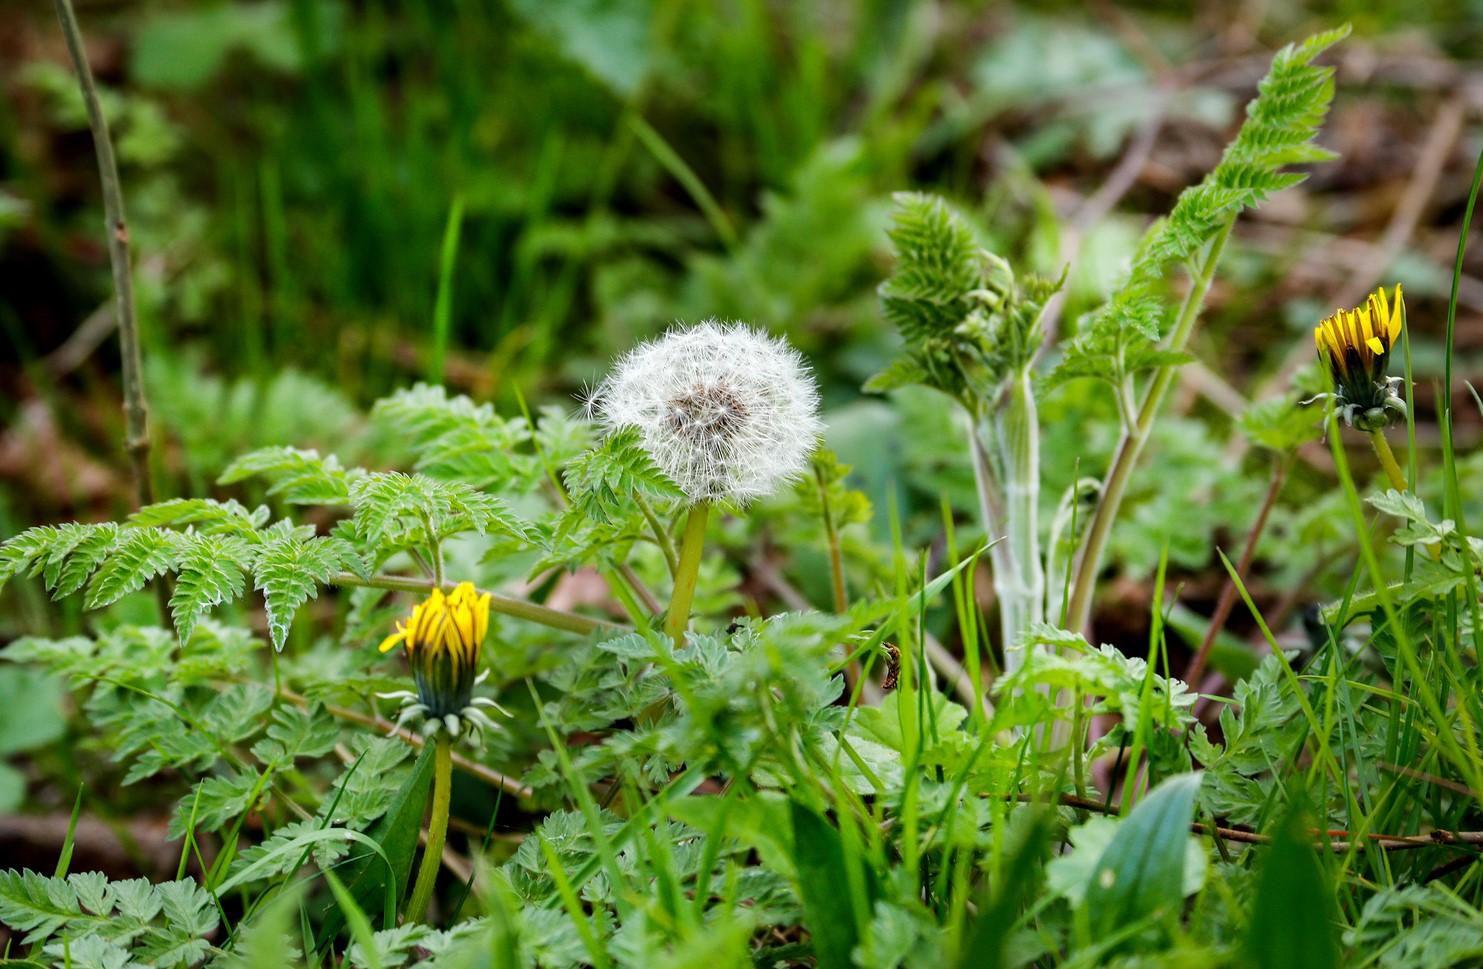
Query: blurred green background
(331, 199)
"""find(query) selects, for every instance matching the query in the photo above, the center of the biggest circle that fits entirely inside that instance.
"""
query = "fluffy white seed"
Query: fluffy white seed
(726, 411)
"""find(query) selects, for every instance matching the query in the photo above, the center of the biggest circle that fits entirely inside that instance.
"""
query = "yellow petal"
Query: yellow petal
(481, 610)
(464, 618)
(390, 641)
(1376, 347)
(1393, 321)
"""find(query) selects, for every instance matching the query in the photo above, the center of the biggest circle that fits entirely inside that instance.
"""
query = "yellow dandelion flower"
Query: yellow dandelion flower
(442, 639)
(1355, 346)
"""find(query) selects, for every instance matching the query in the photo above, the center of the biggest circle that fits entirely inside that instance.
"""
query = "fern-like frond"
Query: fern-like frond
(205, 515)
(297, 476)
(938, 262)
(455, 439)
(966, 320)
(1281, 123)
(398, 510)
(211, 570)
(289, 570)
(601, 482)
(139, 555)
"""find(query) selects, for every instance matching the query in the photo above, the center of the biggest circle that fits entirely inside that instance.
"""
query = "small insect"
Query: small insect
(893, 667)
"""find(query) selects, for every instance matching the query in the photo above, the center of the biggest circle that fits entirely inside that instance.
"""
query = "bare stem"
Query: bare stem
(136, 410)
(506, 605)
(678, 616)
(831, 538)
(661, 534)
(437, 829)
(1130, 446)
(1388, 462)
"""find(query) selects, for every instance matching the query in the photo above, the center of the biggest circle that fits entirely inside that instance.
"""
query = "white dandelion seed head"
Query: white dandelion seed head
(726, 411)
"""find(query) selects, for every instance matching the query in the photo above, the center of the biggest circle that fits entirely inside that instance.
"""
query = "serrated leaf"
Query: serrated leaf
(602, 482)
(207, 515)
(297, 476)
(211, 569)
(396, 508)
(140, 555)
(288, 571)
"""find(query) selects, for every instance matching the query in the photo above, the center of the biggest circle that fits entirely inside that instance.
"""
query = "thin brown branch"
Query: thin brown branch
(488, 775)
(1388, 842)
(1227, 600)
(136, 409)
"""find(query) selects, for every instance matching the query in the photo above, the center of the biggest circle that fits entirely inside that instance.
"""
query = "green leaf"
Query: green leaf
(456, 439)
(823, 883)
(398, 509)
(299, 477)
(602, 482)
(140, 555)
(1293, 921)
(610, 38)
(987, 936)
(1280, 424)
(366, 877)
(1281, 123)
(289, 571)
(30, 709)
(211, 570)
(1141, 874)
(12, 790)
(206, 515)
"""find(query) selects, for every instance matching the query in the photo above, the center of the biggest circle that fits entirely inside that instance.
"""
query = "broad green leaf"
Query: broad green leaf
(823, 882)
(396, 832)
(30, 709)
(1141, 874)
(1293, 921)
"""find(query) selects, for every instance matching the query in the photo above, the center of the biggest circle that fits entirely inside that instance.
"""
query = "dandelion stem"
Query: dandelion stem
(1387, 461)
(437, 829)
(661, 534)
(687, 573)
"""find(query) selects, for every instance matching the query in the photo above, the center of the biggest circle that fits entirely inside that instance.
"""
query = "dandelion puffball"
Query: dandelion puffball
(726, 411)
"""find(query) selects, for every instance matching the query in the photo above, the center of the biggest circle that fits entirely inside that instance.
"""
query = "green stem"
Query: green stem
(687, 573)
(1018, 430)
(991, 511)
(831, 538)
(505, 605)
(1130, 446)
(661, 534)
(1387, 461)
(437, 829)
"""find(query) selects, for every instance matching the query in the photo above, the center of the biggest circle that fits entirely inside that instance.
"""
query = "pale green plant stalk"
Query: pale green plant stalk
(1007, 468)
